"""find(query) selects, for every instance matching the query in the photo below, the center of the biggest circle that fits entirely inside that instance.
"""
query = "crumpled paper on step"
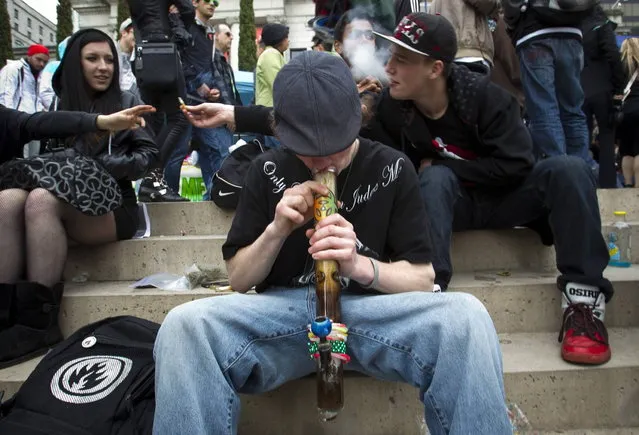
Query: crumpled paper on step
(194, 276)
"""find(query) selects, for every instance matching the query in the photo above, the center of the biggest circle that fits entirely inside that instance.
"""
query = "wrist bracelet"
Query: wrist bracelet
(375, 281)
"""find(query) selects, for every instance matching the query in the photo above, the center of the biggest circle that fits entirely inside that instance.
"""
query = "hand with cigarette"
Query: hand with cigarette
(369, 84)
(210, 115)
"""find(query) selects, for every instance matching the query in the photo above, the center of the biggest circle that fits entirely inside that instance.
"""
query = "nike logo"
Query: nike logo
(220, 193)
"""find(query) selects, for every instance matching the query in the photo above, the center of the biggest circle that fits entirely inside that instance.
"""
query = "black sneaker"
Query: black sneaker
(155, 189)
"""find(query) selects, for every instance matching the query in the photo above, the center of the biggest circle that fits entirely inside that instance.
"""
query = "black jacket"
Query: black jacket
(133, 152)
(603, 71)
(504, 155)
(18, 128)
(528, 26)
(198, 58)
(151, 18)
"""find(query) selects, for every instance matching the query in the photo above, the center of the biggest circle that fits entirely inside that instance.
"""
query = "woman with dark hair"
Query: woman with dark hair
(37, 224)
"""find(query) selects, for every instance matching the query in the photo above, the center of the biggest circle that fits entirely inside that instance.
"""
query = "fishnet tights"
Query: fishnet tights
(12, 234)
(34, 231)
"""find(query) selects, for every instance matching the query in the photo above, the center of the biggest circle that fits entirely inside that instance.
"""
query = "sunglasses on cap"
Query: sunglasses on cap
(216, 3)
(357, 34)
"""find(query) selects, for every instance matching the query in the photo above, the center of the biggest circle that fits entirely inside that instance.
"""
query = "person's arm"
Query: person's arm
(241, 119)
(186, 10)
(24, 127)
(512, 12)
(608, 46)
(485, 7)
(181, 36)
(508, 156)
(334, 239)
(46, 90)
(8, 86)
(251, 263)
(408, 244)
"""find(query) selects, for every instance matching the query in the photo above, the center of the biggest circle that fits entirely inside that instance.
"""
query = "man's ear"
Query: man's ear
(436, 69)
(337, 45)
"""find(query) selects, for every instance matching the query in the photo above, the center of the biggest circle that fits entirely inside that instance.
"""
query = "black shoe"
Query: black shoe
(7, 292)
(155, 189)
(36, 327)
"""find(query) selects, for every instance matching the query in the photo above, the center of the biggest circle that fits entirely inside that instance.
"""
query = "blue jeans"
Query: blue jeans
(173, 166)
(551, 78)
(210, 350)
(560, 192)
(214, 147)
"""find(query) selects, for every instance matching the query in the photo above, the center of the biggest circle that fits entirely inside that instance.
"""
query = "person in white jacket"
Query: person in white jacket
(46, 77)
(19, 85)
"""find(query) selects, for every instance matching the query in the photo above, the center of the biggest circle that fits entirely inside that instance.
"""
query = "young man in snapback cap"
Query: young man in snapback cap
(476, 170)
(211, 350)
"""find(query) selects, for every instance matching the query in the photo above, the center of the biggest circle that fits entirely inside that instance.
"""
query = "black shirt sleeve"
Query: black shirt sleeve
(251, 216)
(19, 128)
(408, 234)
(253, 119)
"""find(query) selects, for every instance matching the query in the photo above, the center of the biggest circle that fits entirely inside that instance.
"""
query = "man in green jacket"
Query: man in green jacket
(271, 61)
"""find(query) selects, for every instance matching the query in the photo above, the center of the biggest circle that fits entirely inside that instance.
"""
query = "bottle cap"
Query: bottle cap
(620, 213)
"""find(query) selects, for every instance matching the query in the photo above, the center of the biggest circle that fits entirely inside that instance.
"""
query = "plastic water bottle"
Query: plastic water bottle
(619, 242)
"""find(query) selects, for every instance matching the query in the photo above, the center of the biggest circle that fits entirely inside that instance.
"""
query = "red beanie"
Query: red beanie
(37, 49)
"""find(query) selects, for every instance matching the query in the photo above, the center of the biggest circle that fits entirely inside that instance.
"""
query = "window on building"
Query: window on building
(40, 41)
(51, 38)
(19, 43)
(29, 22)
(29, 34)
(16, 14)
(41, 31)
(16, 27)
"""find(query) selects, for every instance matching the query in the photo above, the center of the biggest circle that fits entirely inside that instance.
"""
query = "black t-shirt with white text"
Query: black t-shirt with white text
(380, 196)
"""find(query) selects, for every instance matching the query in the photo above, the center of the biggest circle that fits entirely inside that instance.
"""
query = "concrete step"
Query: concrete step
(611, 200)
(521, 302)
(188, 219)
(128, 260)
(626, 431)
(205, 218)
(554, 395)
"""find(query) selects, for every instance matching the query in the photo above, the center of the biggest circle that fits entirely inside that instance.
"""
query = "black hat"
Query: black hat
(316, 104)
(274, 33)
(427, 34)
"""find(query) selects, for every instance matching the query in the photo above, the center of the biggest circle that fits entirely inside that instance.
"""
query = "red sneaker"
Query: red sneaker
(586, 339)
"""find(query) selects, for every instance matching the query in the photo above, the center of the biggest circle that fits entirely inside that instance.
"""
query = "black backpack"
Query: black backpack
(562, 12)
(229, 179)
(99, 381)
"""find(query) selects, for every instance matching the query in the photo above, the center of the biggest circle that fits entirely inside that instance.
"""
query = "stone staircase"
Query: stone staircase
(508, 270)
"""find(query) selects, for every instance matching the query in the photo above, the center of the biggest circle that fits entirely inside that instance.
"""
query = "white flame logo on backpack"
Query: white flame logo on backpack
(89, 379)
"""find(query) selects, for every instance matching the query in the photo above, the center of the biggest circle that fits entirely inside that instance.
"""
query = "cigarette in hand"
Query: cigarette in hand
(182, 104)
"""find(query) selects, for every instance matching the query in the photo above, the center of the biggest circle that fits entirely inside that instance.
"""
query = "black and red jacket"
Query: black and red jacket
(501, 154)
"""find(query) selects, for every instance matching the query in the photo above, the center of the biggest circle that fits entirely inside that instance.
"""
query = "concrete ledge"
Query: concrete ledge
(554, 395)
(205, 218)
(129, 260)
(521, 302)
